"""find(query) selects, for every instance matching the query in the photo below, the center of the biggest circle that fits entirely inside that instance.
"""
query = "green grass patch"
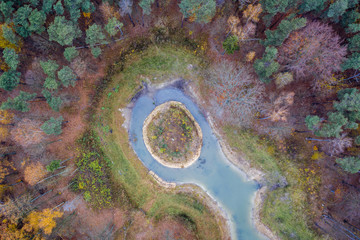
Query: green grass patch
(286, 210)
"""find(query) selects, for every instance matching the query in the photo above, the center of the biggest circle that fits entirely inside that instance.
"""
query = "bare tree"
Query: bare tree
(15, 209)
(237, 95)
(126, 9)
(338, 145)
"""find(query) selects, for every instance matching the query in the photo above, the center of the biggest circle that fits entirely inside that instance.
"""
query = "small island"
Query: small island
(172, 136)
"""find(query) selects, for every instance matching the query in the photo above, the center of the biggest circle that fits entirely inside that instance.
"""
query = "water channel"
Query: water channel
(212, 171)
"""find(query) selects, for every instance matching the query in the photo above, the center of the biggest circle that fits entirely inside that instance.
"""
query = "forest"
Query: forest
(279, 78)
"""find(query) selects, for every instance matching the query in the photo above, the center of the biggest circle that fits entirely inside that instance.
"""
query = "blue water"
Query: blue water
(212, 171)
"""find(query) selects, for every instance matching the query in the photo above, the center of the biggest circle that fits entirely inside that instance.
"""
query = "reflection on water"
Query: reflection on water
(212, 171)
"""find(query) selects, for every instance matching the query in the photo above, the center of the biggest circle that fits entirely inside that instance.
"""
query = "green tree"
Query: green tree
(6, 8)
(59, 9)
(334, 126)
(266, 66)
(349, 164)
(53, 126)
(231, 44)
(37, 20)
(200, 10)
(9, 35)
(94, 35)
(352, 62)
(67, 76)
(274, 6)
(312, 5)
(9, 80)
(337, 9)
(87, 6)
(277, 36)
(113, 26)
(349, 17)
(21, 22)
(54, 102)
(11, 58)
(63, 31)
(51, 83)
(47, 6)
(146, 6)
(354, 43)
(312, 122)
(33, 3)
(19, 102)
(55, 164)
(49, 67)
(70, 53)
(96, 51)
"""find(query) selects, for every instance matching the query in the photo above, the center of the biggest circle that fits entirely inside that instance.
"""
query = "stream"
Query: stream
(212, 171)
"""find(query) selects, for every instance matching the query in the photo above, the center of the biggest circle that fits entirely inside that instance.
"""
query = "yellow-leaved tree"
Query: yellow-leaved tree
(44, 220)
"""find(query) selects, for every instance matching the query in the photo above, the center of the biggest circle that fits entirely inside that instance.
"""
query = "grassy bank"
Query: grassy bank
(154, 63)
(286, 209)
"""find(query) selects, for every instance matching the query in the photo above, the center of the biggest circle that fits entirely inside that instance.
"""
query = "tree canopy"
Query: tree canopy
(63, 31)
(201, 11)
(53, 126)
(19, 102)
(9, 80)
(146, 6)
(267, 66)
(67, 76)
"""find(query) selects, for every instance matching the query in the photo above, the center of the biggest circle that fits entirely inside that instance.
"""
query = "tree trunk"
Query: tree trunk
(131, 19)
(316, 139)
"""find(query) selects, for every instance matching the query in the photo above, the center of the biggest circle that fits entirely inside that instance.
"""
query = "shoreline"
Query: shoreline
(238, 161)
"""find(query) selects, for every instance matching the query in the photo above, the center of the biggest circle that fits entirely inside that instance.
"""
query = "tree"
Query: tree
(146, 6)
(126, 9)
(6, 9)
(96, 51)
(274, 6)
(312, 122)
(282, 79)
(336, 9)
(44, 220)
(53, 126)
(9, 80)
(21, 22)
(311, 5)
(266, 66)
(277, 36)
(67, 76)
(63, 31)
(54, 102)
(37, 20)
(15, 209)
(55, 164)
(87, 6)
(113, 26)
(51, 83)
(338, 145)
(19, 102)
(201, 11)
(349, 164)
(94, 35)
(59, 9)
(11, 58)
(6, 117)
(313, 51)
(238, 97)
(49, 67)
(27, 132)
(9, 34)
(252, 12)
(34, 173)
(47, 6)
(231, 44)
(352, 62)
(354, 43)
(70, 53)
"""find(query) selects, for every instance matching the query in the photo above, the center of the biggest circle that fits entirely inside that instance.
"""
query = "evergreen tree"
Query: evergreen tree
(353, 62)
(51, 83)
(49, 67)
(94, 35)
(349, 164)
(349, 17)
(54, 102)
(96, 51)
(59, 9)
(277, 36)
(201, 11)
(87, 6)
(334, 126)
(33, 3)
(9, 35)
(19, 102)
(337, 9)
(266, 66)
(312, 5)
(11, 58)
(231, 44)
(47, 6)
(53, 126)
(312, 122)
(63, 31)
(21, 22)
(37, 20)
(9, 80)
(146, 6)
(274, 6)
(67, 76)
(6, 8)
(70, 53)
(354, 43)
(113, 26)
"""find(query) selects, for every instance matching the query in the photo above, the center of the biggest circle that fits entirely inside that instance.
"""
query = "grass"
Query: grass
(285, 210)
(153, 63)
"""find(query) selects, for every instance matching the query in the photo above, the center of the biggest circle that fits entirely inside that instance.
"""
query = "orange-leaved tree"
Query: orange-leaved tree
(34, 173)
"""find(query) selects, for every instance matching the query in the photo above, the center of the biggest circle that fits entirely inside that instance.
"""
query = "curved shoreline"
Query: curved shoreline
(148, 120)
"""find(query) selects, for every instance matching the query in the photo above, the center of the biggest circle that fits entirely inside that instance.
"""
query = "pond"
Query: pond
(212, 171)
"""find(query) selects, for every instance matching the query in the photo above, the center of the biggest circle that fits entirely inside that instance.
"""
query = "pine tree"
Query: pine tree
(312, 5)
(59, 9)
(11, 58)
(67, 76)
(9, 34)
(19, 102)
(146, 6)
(21, 22)
(49, 67)
(63, 31)
(312, 122)
(337, 9)
(6, 8)
(53, 126)
(94, 35)
(113, 26)
(266, 66)
(70, 53)
(231, 44)
(274, 6)
(352, 62)
(54, 102)
(201, 11)
(9, 80)
(349, 164)
(51, 83)
(47, 6)
(37, 20)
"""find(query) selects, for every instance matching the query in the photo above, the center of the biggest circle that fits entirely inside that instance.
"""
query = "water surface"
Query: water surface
(212, 171)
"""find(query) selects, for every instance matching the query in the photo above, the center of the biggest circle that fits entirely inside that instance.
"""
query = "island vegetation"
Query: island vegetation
(279, 80)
